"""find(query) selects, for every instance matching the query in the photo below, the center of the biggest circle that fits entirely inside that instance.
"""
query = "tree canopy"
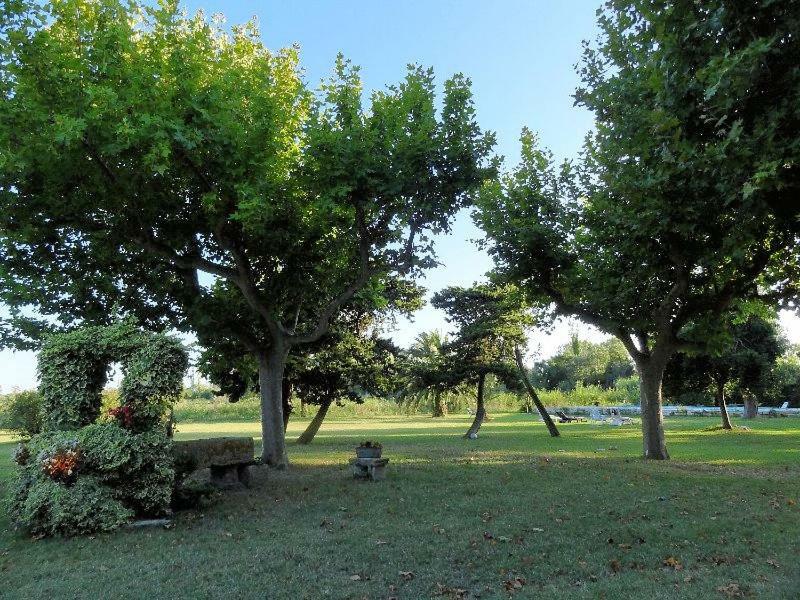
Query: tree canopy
(581, 362)
(167, 167)
(683, 201)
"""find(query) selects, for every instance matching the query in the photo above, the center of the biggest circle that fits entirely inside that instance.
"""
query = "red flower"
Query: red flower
(123, 414)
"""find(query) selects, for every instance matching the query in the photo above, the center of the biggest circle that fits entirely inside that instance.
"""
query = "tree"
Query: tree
(346, 363)
(426, 376)
(684, 200)
(783, 382)
(745, 361)
(491, 321)
(349, 369)
(584, 362)
(157, 165)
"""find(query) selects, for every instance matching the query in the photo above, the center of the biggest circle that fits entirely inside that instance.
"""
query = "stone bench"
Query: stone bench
(369, 468)
(228, 458)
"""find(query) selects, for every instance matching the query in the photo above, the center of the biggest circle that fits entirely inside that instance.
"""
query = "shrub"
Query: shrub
(626, 392)
(46, 507)
(136, 470)
(79, 474)
(21, 412)
(199, 392)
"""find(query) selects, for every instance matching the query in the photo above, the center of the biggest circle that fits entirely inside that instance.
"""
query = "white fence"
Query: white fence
(671, 411)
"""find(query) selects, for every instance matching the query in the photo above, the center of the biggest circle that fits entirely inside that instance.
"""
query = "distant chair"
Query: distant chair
(596, 414)
(565, 418)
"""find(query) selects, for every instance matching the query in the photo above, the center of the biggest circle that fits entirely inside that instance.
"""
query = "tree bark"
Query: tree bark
(723, 406)
(480, 410)
(270, 379)
(314, 425)
(551, 427)
(750, 407)
(286, 402)
(651, 374)
(438, 406)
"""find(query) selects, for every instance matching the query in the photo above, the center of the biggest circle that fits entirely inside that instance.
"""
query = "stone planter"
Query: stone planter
(372, 452)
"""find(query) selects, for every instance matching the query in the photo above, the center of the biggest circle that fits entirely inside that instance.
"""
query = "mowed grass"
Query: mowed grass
(512, 513)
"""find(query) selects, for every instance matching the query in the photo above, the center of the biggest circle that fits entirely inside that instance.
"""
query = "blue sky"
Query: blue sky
(520, 55)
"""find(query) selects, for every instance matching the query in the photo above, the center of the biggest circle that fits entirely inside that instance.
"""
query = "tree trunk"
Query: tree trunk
(316, 422)
(270, 379)
(723, 406)
(750, 407)
(480, 412)
(551, 427)
(438, 406)
(651, 373)
(286, 402)
(302, 408)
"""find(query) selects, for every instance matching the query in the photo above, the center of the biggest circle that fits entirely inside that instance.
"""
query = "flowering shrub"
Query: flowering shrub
(123, 415)
(61, 464)
(92, 475)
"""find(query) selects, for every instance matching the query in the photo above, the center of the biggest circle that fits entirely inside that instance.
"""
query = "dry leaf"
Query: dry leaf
(731, 590)
(673, 563)
(407, 575)
(512, 585)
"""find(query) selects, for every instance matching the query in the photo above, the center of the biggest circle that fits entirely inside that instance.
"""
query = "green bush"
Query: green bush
(45, 507)
(135, 471)
(79, 474)
(199, 392)
(21, 412)
(626, 392)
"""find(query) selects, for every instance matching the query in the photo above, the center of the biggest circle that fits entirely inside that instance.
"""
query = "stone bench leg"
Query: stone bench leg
(225, 476)
(243, 473)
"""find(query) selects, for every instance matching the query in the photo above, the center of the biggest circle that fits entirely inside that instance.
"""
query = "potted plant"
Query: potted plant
(369, 450)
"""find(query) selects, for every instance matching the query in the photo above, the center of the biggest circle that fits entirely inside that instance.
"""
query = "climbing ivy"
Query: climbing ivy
(89, 472)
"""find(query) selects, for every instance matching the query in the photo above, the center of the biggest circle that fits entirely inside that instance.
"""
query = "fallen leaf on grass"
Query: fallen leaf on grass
(773, 563)
(450, 592)
(615, 566)
(672, 563)
(407, 575)
(380, 543)
(512, 585)
(731, 590)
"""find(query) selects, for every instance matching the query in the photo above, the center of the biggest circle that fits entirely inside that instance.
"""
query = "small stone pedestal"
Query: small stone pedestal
(369, 468)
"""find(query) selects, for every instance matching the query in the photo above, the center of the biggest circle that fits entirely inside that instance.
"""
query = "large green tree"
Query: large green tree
(685, 199)
(164, 166)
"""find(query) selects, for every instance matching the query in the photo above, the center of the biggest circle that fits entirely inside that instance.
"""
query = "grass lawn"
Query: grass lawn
(512, 513)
